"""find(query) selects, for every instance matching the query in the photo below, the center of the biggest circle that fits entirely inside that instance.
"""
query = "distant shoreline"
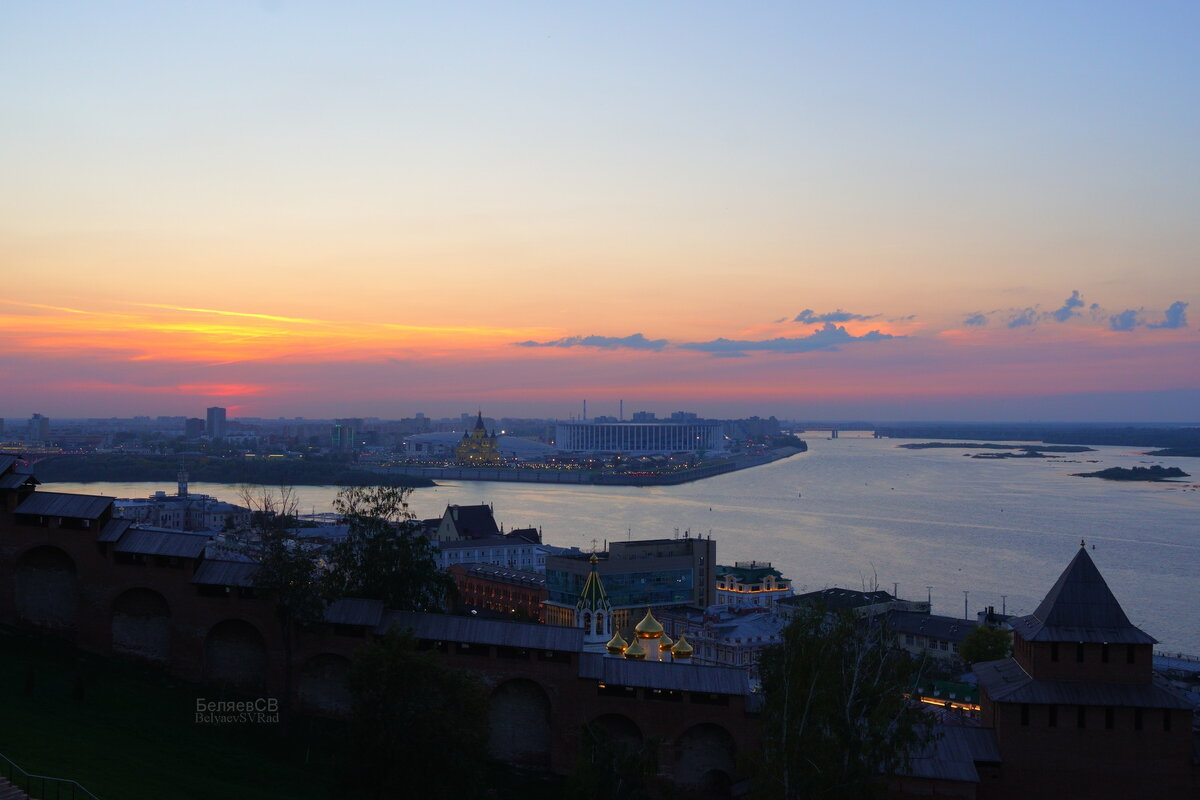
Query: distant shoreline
(594, 477)
(1026, 450)
(116, 468)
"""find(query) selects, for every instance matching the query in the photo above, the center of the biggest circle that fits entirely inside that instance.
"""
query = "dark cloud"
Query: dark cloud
(1125, 321)
(634, 342)
(1068, 308)
(827, 338)
(976, 320)
(809, 317)
(1023, 318)
(1173, 317)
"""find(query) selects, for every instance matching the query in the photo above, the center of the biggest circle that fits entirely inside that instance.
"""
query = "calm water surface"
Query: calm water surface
(853, 510)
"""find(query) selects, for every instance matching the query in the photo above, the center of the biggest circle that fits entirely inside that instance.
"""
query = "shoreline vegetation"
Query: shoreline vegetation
(1154, 473)
(116, 467)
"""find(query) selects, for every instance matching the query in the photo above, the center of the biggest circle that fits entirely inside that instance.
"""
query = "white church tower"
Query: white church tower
(593, 612)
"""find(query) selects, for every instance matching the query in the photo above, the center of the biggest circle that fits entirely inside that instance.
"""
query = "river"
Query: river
(856, 510)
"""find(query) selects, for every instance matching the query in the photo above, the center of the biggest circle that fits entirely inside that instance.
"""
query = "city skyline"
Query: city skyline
(884, 213)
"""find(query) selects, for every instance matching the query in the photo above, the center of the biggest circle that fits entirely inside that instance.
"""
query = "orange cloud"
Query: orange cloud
(199, 335)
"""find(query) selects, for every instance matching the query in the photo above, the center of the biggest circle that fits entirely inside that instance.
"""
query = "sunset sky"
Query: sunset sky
(926, 210)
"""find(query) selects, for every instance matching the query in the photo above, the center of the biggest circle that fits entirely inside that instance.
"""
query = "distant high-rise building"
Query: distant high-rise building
(216, 423)
(38, 430)
(343, 436)
(193, 428)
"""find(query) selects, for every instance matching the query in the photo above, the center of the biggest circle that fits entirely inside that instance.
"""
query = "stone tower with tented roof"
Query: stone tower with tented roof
(1077, 710)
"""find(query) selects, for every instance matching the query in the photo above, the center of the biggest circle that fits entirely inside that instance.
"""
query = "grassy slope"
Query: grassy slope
(132, 734)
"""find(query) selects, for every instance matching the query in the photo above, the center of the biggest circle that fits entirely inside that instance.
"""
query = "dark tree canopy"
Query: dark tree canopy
(289, 574)
(383, 556)
(419, 729)
(613, 768)
(985, 644)
(835, 715)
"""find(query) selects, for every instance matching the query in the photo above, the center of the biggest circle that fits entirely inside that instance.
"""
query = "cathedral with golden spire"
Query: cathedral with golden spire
(478, 446)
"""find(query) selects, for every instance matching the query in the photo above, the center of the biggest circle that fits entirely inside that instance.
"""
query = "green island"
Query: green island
(210, 469)
(1155, 473)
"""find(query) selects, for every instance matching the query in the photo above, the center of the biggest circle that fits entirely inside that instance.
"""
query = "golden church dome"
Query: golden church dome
(649, 627)
(682, 649)
(635, 651)
(665, 643)
(616, 645)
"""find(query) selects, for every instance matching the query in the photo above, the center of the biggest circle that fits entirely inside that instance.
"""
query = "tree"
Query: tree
(985, 644)
(835, 716)
(289, 574)
(612, 768)
(419, 729)
(384, 557)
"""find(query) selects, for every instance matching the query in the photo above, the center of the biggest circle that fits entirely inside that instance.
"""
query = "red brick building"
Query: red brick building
(500, 591)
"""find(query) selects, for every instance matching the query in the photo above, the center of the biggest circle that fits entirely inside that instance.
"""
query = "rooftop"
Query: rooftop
(664, 675)
(493, 572)
(951, 629)
(157, 542)
(1080, 608)
(447, 628)
(58, 504)
(749, 572)
(1006, 681)
(472, 522)
(355, 611)
(953, 752)
(836, 599)
(225, 573)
